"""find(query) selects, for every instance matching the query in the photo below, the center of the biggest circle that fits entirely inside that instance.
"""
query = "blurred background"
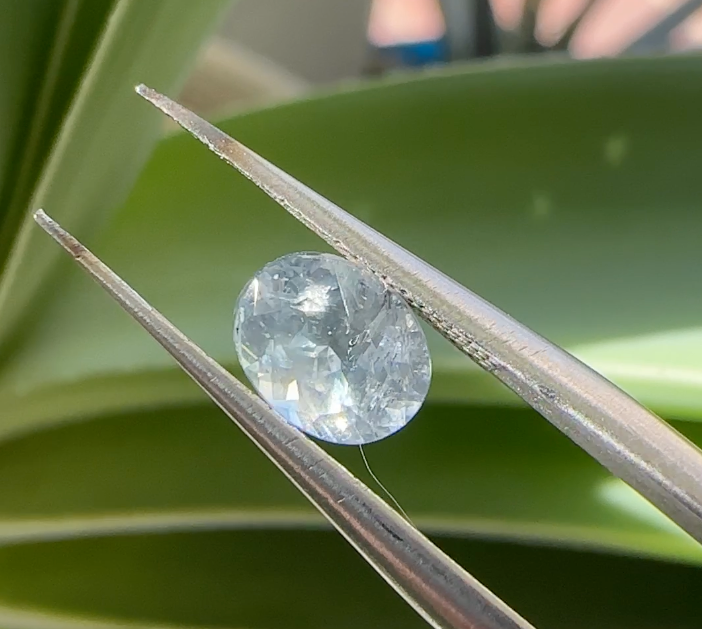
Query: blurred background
(277, 49)
(546, 154)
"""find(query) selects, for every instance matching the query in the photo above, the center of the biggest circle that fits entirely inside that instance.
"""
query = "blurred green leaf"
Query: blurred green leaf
(106, 134)
(314, 580)
(30, 24)
(576, 212)
(18, 90)
(193, 232)
(45, 82)
(497, 473)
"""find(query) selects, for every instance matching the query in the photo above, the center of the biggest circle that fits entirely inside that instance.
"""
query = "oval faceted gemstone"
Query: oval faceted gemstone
(331, 349)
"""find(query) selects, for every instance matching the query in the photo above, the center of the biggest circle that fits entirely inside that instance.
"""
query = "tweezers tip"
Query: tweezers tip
(212, 137)
(58, 233)
(184, 117)
(152, 96)
(143, 90)
(42, 219)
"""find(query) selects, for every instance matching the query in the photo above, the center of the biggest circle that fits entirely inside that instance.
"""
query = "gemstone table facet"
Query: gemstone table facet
(331, 349)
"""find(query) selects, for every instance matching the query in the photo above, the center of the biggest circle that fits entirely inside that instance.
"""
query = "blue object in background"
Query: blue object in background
(417, 53)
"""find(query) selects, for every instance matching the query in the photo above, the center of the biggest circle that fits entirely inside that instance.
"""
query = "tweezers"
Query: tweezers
(626, 438)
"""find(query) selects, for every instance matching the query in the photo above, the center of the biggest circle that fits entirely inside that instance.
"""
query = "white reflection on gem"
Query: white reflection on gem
(292, 393)
(314, 298)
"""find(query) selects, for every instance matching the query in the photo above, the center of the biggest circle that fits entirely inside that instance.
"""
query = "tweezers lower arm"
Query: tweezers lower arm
(440, 590)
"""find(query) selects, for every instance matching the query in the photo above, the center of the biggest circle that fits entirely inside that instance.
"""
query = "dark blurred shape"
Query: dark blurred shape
(470, 28)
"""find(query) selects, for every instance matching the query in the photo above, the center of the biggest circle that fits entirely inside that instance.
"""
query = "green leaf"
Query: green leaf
(314, 580)
(575, 211)
(46, 82)
(497, 473)
(551, 210)
(29, 24)
(106, 133)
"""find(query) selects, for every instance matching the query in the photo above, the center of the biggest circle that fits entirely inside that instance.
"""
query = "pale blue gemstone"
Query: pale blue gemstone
(331, 349)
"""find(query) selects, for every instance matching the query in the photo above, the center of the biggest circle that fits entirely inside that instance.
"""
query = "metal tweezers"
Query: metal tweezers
(622, 435)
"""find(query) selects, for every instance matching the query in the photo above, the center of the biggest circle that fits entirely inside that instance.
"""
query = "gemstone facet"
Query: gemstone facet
(331, 349)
